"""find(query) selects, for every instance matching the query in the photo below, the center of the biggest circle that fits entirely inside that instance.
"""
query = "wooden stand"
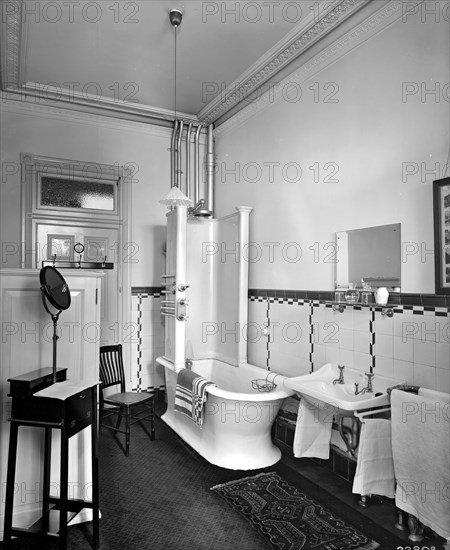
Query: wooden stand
(70, 414)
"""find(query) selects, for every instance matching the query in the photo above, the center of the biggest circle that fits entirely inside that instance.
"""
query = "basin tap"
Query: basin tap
(368, 388)
(340, 380)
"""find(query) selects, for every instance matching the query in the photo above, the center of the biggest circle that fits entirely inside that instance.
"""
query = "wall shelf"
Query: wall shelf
(387, 309)
(61, 264)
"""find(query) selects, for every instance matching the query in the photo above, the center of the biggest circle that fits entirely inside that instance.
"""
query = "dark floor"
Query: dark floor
(160, 498)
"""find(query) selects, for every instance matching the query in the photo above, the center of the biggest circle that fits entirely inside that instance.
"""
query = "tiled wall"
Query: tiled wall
(147, 342)
(295, 332)
(295, 335)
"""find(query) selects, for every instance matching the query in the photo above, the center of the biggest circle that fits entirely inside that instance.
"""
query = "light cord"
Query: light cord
(175, 73)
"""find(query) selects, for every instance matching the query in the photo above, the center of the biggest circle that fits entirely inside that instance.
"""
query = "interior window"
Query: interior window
(70, 193)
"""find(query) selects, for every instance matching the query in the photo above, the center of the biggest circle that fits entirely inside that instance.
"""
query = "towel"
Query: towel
(190, 395)
(375, 467)
(421, 446)
(312, 431)
(434, 394)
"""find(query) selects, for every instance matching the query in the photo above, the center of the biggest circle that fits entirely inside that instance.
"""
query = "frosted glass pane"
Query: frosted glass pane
(76, 194)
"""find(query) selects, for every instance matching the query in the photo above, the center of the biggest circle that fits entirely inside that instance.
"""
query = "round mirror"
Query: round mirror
(55, 288)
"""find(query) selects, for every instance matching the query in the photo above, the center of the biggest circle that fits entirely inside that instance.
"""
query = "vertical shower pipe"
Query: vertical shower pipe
(180, 135)
(181, 285)
(243, 242)
(210, 169)
(197, 164)
(172, 154)
(188, 161)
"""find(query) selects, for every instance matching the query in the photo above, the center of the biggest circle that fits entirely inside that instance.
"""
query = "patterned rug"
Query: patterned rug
(287, 518)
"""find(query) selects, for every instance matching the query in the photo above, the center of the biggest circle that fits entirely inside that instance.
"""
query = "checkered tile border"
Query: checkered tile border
(142, 293)
(254, 296)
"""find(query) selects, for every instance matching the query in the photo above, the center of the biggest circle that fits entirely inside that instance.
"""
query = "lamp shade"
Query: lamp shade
(175, 197)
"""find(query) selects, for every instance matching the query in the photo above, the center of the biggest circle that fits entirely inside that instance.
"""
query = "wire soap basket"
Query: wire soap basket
(264, 384)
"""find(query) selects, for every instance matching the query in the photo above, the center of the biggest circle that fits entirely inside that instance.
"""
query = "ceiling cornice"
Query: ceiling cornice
(315, 27)
(66, 98)
(390, 12)
(11, 23)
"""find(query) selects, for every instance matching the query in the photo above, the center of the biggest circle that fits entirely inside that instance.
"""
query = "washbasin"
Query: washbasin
(318, 389)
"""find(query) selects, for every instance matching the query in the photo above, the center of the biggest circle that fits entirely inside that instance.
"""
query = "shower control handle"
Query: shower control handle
(181, 309)
(182, 287)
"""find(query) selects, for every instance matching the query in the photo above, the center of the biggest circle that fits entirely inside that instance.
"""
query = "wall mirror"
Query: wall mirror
(370, 254)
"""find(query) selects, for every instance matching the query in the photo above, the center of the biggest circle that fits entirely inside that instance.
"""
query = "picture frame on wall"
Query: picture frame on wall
(61, 246)
(441, 215)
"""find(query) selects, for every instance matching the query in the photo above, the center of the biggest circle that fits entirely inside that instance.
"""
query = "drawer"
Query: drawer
(75, 412)
(78, 411)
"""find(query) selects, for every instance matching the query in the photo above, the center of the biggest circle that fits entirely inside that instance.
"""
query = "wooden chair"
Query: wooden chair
(133, 406)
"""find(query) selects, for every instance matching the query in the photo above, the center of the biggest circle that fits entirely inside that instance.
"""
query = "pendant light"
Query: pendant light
(175, 197)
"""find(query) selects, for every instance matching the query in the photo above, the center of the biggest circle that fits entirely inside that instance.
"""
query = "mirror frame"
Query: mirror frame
(47, 292)
(372, 280)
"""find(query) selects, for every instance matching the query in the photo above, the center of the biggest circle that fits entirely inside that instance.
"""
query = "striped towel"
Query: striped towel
(190, 395)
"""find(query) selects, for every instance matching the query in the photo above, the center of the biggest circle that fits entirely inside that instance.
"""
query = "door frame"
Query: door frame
(32, 168)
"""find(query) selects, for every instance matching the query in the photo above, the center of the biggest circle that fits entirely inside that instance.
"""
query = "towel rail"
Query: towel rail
(362, 415)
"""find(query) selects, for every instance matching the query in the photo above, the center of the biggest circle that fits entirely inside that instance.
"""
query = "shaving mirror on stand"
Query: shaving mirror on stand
(55, 292)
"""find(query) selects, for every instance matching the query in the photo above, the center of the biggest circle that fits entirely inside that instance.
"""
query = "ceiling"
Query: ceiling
(120, 56)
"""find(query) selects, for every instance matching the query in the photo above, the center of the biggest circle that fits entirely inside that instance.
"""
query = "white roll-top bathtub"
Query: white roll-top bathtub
(238, 418)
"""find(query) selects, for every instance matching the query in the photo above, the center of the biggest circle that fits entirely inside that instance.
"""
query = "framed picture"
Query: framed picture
(441, 211)
(61, 245)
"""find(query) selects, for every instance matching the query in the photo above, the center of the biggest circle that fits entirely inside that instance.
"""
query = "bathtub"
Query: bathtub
(236, 432)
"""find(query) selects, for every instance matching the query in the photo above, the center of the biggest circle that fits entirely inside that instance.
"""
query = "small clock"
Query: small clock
(79, 248)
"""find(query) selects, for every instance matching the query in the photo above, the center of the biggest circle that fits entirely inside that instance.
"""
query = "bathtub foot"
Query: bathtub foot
(400, 525)
(364, 501)
(415, 529)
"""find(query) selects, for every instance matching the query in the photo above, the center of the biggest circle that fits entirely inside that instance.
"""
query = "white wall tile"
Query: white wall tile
(405, 325)
(424, 353)
(384, 345)
(384, 366)
(257, 353)
(443, 380)
(403, 349)
(346, 339)
(346, 357)
(361, 319)
(320, 355)
(362, 361)
(443, 355)
(424, 376)
(361, 341)
(404, 370)
(384, 324)
(333, 355)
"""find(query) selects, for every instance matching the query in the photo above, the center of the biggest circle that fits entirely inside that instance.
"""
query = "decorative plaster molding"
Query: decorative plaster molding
(11, 13)
(315, 27)
(12, 103)
(374, 24)
(71, 97)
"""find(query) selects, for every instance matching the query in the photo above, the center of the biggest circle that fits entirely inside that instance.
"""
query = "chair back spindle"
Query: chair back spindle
(111, 367)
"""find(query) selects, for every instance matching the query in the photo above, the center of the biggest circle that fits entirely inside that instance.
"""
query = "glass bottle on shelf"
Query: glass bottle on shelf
(366, 295)
(352, 294)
